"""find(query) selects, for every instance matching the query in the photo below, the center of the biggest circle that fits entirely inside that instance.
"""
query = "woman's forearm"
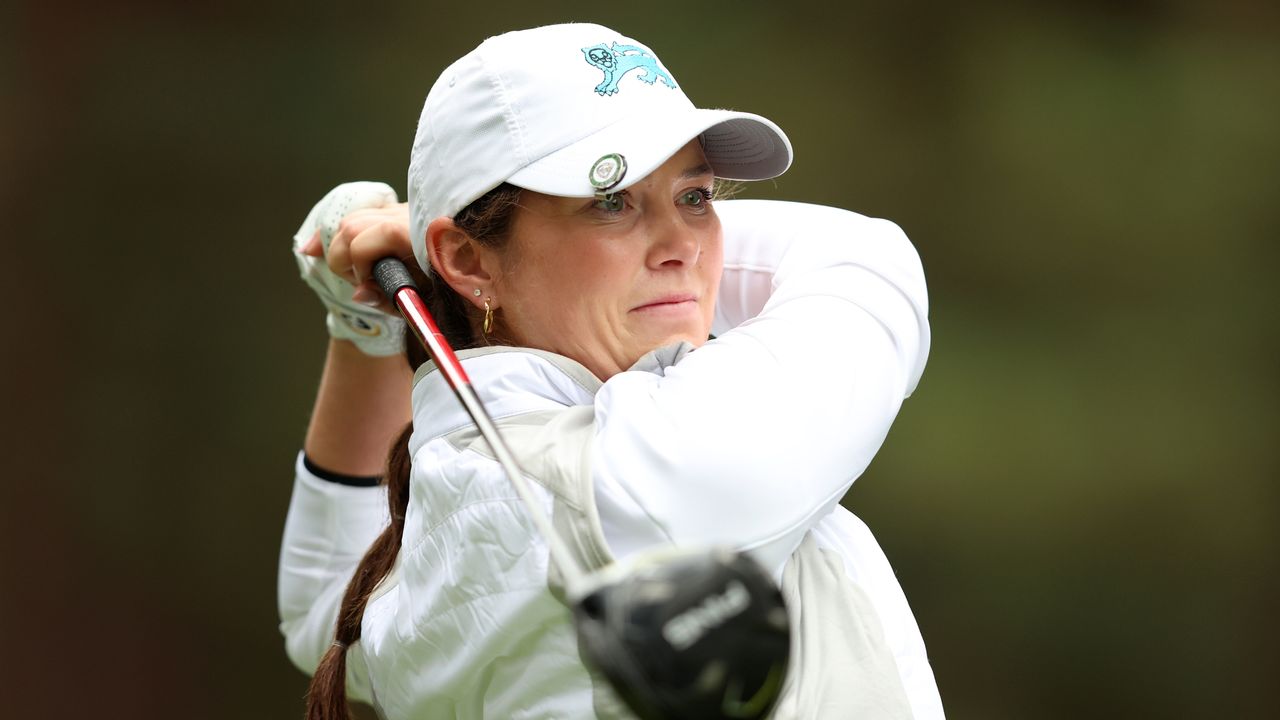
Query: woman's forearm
(362, 404)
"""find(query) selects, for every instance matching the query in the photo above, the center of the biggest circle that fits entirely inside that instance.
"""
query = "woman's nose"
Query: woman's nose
(675, 242)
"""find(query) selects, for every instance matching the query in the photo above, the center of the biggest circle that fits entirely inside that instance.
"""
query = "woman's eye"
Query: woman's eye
(614, 203)
(696, 197)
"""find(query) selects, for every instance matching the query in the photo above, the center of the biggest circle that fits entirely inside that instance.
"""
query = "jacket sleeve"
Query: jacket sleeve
(328, 529)
(822, 331)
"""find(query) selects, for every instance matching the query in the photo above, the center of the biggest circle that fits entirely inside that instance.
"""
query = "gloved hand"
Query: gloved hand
(372, 331)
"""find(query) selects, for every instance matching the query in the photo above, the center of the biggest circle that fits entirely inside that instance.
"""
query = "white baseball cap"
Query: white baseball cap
(544, 109)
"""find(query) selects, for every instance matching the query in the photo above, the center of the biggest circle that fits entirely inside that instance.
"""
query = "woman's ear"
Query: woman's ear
(458, 259)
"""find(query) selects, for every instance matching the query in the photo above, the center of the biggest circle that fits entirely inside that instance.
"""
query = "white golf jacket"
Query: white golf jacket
(751, 440)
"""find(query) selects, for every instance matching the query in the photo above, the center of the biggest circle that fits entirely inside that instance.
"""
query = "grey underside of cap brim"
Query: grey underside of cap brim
(745, 149)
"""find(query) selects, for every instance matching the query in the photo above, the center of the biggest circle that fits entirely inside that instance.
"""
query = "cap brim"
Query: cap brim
(738, 146)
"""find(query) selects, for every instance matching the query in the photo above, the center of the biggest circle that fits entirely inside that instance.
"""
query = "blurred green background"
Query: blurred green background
(1080, 500)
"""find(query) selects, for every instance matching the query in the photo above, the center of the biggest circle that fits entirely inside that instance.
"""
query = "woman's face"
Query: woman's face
(606, 281)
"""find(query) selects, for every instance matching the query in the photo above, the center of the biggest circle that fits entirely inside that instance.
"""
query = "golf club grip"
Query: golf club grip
(394, 279)
(392, 276)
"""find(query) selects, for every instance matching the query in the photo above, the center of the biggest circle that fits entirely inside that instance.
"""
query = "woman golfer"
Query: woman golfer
(561, 207)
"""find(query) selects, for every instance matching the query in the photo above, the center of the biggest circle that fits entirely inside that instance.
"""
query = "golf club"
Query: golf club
(679, 633)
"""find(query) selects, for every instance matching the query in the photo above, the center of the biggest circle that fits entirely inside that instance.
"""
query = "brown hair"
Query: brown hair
(487, 221)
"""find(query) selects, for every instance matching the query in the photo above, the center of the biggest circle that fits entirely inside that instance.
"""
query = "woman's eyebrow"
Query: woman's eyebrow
(696, 171)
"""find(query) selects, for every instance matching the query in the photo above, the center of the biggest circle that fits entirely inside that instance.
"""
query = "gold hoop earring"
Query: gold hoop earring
(488, 317)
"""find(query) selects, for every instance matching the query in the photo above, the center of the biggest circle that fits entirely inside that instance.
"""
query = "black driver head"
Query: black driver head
(690, 635)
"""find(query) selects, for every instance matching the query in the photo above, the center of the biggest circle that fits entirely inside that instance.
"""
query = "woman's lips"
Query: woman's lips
(669, 303)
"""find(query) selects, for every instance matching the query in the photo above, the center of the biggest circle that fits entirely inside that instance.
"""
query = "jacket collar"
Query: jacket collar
(508, 380)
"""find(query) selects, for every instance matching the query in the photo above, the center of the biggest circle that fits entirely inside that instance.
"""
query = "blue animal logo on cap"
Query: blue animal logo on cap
(617, 60)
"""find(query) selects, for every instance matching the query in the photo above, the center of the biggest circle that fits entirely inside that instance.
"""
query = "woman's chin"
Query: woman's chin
(694, 336)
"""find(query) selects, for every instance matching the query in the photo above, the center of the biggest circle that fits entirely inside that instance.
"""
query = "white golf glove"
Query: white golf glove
(372, 331)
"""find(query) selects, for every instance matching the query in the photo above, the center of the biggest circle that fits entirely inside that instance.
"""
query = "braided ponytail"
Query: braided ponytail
(327, 696)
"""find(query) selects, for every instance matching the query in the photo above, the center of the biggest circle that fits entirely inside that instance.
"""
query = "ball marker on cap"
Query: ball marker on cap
(606, 173)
